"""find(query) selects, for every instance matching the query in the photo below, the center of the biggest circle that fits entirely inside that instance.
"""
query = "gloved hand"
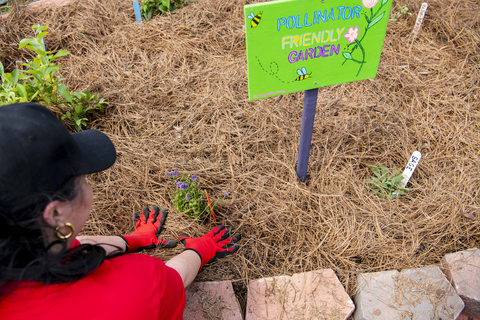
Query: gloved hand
(213, 245)
(146, 231)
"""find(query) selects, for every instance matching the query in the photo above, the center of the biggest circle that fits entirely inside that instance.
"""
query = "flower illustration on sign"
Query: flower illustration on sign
(369, 3)
(353, 32)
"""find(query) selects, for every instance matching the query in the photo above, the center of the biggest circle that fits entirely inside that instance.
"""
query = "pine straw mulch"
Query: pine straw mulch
(188, 70)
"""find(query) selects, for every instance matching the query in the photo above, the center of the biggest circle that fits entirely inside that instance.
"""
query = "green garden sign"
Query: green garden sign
(297, 45)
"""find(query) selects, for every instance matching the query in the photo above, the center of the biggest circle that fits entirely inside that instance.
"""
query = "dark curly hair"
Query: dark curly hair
(23, 252)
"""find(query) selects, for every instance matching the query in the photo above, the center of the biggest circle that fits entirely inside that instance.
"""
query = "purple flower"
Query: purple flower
(174, 172)
(183, 186)
(194, 177)
(178, 184)
(187, 197)
(225, 194)
(168, 173)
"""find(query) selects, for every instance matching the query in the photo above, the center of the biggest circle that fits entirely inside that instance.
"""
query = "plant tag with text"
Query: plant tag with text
(410, 168)
(419, 21)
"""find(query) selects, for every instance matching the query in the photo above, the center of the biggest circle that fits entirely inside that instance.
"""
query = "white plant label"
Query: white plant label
(410, 168)
(419, 22)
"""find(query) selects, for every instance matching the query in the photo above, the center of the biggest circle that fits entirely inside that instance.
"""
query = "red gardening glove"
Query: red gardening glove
(147, 230)
(213, 245)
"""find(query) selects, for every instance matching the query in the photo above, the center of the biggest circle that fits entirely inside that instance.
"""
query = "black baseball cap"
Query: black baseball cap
(38, 154)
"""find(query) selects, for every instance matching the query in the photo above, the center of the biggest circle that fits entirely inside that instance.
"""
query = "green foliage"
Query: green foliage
(187, 197)
(384, 183)
(38, 83)
(6, 5)
(5, 9)
(150, 7)
(402, 11)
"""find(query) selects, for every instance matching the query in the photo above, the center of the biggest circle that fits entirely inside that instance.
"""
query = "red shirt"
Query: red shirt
(132, 286)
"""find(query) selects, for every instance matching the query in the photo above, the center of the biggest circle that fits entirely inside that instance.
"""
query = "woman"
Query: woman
(46, 271)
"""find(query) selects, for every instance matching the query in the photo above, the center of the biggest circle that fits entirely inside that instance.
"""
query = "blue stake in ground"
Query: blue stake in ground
(138, 16)
(308, 117)
(43, 42)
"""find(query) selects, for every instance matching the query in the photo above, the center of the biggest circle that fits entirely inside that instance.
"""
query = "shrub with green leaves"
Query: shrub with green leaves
(188, 198)
(150, 7)
(384, 182)
(38, 82)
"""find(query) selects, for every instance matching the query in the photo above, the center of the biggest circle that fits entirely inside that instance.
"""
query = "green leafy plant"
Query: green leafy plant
(150, 7)
(6, 5)
(38, 82)
(188, 198)
(384, 182)
(8, 90)
(81, 104)
(402, 11)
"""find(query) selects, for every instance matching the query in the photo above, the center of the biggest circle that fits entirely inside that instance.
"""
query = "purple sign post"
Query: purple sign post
(308, 117)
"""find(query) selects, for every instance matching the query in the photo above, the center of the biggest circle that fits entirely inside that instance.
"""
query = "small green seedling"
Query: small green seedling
(4, 6)
(385, 182)
(7, 5)
(402, 11)
(149, 7)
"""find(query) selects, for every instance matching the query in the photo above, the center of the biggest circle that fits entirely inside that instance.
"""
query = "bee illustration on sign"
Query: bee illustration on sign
(255, 19)
(302, 74)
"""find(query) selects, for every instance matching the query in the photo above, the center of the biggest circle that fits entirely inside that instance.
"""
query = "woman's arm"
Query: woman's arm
(187, 264)
(111, 244)
(147, 226)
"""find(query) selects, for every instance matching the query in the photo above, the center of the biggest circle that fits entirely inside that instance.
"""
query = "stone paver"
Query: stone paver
(211, 300)
(465, 317)
(463, 270)
(38, 5)
(422, 293)
(44, 3)
(311, 295)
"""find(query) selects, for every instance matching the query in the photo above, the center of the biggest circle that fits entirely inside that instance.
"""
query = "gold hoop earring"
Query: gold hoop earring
(63, 236)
